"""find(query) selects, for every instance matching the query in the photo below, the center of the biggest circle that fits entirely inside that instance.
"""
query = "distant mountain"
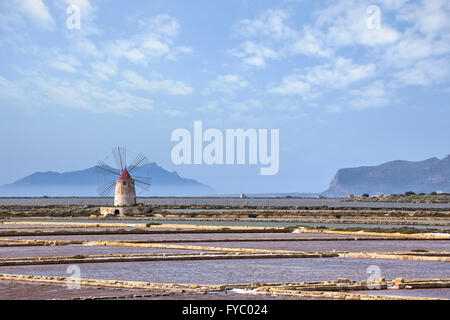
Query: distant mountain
(393, 177)
(85, 183)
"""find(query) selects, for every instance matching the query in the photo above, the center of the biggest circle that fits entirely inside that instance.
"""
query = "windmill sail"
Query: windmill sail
(120, 157)
(140, 161)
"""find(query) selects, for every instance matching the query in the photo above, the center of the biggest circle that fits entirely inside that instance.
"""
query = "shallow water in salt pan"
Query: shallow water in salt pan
(244, 271)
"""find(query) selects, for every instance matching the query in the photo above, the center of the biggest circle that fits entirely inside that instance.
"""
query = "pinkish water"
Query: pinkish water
(321, 246)
(71, 250)
(187, 236)
(308, 246)
(244, 271)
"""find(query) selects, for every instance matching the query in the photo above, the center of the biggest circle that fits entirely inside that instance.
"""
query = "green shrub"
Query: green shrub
(148, 225)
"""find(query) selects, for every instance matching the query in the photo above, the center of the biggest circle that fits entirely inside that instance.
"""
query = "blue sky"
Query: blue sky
(342, 93)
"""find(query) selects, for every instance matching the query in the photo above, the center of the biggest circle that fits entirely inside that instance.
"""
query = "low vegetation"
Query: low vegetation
(79, 256)
(48, 211)
(403, 230)
(407, 197)
(152, 224)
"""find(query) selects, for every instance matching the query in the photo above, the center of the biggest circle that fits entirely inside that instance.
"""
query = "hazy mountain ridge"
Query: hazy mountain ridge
(394, 177)
(85, 182)
(397, 176)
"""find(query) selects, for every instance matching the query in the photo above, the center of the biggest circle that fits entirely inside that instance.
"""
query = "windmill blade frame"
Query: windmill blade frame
(106, 189)
(104, 169)
(143, 183)
(120, 156)
(140, 161)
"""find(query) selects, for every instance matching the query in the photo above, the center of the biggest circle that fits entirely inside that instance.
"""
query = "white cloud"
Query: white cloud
(210, 107)
(156, 40)
(37, 12)
(247, 105)
(227, 83)
(342, 24)
(413, 48)
(269, 37)
(233, 108)
(345, 24)
(104, 70)
(164, 25)
(370, 96)
(134, 51)
(66, 63)
(92, 63)
(292, 85)
(135, 81)
(48, 91)
(153, 46)
(86, 96)
(337, 51)
(270, 24)
(254, 54)
(340, 74)
(311, 42)
(426, 33)
(86, 47)
(429, 17)
(393, 4)
(415, 56)
(424, 73)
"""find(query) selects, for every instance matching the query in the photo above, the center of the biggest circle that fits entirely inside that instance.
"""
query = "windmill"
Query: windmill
(123, 179)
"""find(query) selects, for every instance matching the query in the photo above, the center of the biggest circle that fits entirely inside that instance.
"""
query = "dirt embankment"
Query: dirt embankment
(334, 289)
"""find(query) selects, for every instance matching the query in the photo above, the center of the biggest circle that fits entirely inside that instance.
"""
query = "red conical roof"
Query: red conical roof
(125, 175)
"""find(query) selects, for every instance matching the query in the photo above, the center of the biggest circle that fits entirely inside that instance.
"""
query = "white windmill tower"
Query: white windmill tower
(125, 194)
